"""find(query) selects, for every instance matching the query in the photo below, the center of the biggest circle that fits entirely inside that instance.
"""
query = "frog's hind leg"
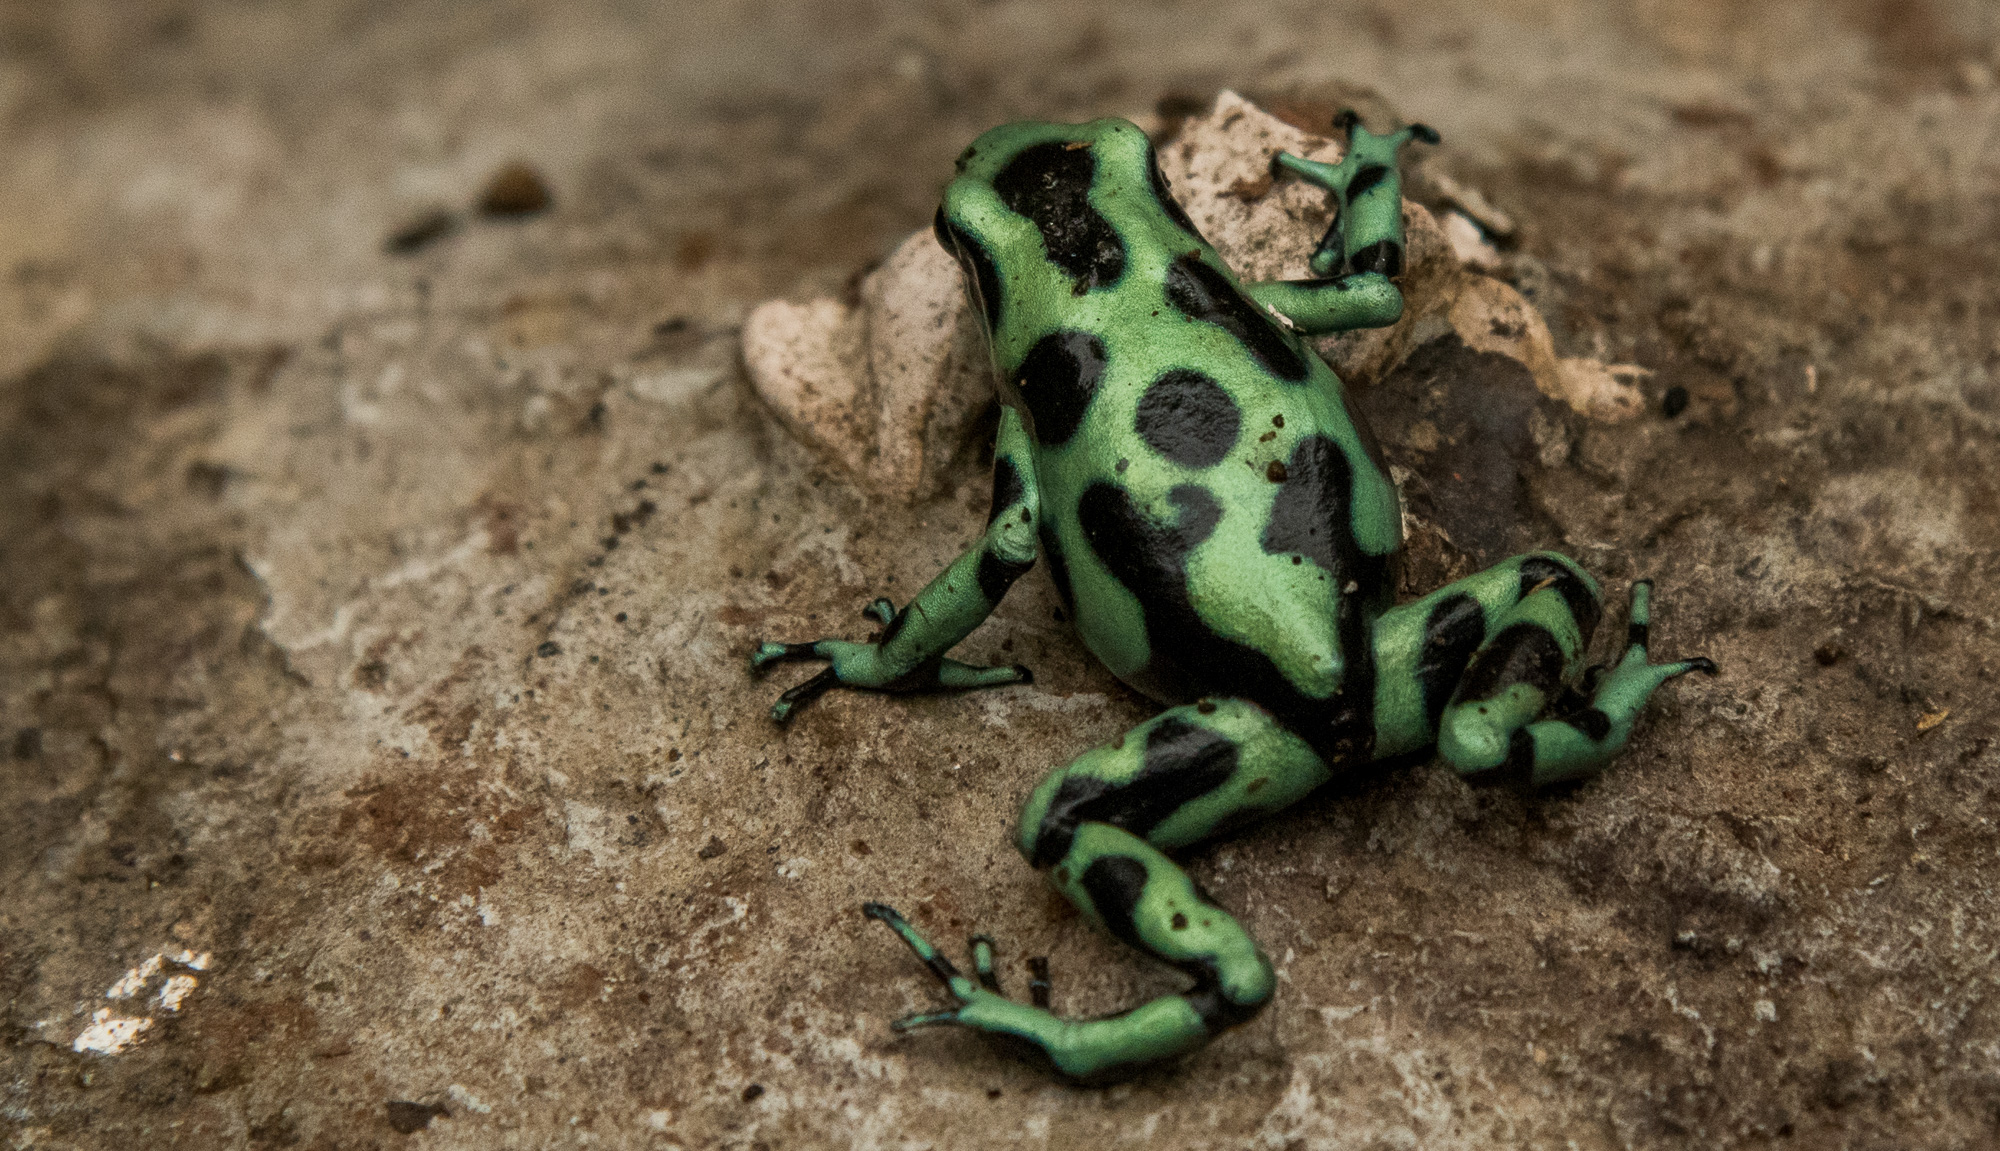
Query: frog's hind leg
(1101, 825)
(1586, 736)
(1489, 667)
(1362, 251)
(909, 656)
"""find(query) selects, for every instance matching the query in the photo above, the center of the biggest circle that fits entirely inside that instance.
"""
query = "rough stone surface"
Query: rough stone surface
(890, 386)
(341, 747)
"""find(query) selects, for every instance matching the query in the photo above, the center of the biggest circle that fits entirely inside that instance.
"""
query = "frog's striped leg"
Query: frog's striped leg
(909, 655)
(1476, 666)
(1362, 250)
(1100, 826)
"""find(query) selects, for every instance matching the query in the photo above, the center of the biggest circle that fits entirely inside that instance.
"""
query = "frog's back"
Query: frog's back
(1211, 512)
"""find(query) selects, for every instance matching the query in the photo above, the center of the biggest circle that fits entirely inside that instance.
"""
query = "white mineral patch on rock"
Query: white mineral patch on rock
(890, 386)
(109, 1034)
(175, 991)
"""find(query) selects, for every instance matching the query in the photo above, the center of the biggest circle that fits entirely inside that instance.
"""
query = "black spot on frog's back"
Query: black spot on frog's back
(1188, 418)
(1056, 381)
(1149, 557)
(1050, 185)
(1201, 293)
(1310, 516)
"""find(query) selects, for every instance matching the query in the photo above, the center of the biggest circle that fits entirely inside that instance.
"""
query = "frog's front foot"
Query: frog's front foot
(962, 989)
(878, 665)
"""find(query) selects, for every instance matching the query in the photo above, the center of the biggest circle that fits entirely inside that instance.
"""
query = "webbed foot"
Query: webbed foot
(1581, 739)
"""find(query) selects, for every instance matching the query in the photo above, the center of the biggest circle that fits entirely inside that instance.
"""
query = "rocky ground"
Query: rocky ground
(380, 550)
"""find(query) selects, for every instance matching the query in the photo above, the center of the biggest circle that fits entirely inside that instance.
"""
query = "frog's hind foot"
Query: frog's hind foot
(947, 972)
(1087, 1051)
(1588, 728)
(1148, 901)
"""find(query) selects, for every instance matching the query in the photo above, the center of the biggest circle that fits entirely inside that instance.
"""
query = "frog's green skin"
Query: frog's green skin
(1224, 534)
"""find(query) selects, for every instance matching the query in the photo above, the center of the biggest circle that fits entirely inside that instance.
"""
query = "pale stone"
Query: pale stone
(927, 363)
(888, 388)
(1474, 205)
(1609, 392)
(1469, 244)
(806, 361)
(1490, 316)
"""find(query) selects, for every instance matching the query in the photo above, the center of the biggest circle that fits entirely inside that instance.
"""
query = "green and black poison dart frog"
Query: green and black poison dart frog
(1222, 530)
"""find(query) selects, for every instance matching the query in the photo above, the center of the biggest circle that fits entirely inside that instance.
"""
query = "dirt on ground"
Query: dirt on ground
(385, 520)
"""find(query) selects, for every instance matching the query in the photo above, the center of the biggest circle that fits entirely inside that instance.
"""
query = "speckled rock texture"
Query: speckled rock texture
(379, 769)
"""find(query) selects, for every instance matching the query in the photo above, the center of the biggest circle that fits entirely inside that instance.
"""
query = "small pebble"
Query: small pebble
(1674, 402)
(517, 189)
(421, 232)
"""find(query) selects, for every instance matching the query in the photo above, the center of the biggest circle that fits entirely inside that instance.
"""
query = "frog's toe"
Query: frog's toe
(772, 653)
(803, 694)
(982, 962)
(964, 676)
(881, 610)
(947, 974)
(923, 1019)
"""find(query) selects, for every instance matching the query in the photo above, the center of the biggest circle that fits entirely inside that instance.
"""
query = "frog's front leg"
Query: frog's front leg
(1488, 668)
(1362, 251)
(909, 656)
(1100, 826)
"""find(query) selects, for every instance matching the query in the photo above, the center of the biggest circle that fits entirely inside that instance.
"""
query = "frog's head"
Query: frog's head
(1044, 211)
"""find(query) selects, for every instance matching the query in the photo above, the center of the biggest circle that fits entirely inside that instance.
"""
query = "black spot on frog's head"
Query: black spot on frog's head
(1049, 183)
(982, 276)
(1056, 381)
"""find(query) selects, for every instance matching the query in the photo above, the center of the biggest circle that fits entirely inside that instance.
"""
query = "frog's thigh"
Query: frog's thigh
(1425, 650)
(1176, 779)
